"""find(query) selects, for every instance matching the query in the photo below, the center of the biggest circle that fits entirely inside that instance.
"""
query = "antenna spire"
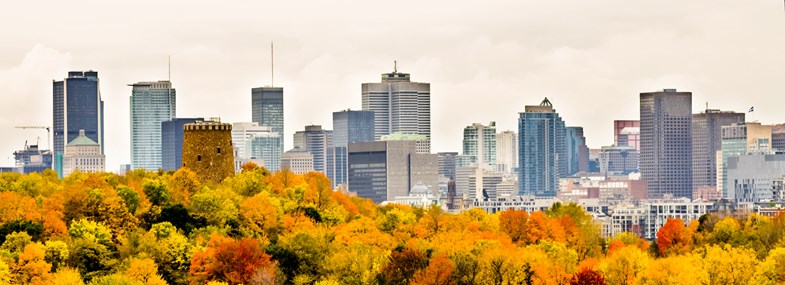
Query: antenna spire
(395, 66)
(169, 63)
(272, 65)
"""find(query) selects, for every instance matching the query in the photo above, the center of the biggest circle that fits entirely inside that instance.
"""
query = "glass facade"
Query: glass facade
(577, 152)
(706, 141)
(172, 134)
(252, 141)
(399, 105)
(479, 141)
(267, 108)
(348, 127)
(151, 104)
(541, 150)
(77, 105)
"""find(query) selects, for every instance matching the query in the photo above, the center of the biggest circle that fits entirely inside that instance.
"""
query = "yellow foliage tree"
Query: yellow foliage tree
(31, 268)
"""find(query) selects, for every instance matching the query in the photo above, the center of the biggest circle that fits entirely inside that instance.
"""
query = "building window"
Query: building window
(219, 150)
(199, 157)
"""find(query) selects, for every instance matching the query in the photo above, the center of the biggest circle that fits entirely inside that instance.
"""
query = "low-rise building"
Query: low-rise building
(83, 154)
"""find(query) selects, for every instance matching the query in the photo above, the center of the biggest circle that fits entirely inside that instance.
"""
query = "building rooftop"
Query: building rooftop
(82, 140)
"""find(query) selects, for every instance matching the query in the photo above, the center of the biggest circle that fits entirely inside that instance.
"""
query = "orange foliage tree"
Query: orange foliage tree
(674, 237)
(230, 260)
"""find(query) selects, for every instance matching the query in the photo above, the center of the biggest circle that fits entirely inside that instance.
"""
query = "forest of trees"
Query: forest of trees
(281, 228)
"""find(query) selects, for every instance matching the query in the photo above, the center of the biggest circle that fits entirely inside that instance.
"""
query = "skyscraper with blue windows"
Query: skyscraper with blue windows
(541, 150)
(348, 127)
(151, 104)
(76, 105)
(267, 110)
(172, 134)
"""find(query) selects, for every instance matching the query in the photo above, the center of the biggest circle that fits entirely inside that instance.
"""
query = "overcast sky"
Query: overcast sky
(485, 60)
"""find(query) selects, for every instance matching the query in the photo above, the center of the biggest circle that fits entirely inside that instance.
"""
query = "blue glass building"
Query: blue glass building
(77, 105)
(541, 150)
(348, 127)
(172, 142)
(151, 104)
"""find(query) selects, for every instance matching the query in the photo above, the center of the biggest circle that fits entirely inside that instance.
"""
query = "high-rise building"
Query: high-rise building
(479, 141)
(172, 142)
(77, 105)
(751, 175)
(577, 151)
(666, 142)
(506, 151)
(399, 105)
(83, 154)
(297, 160)
(348, 127)
(447, 164)
(151, 104)
(627, 133)
(541, 150)
(619, 160)
(319, 143)
(267, 108)
(706, 141)
(253, 142)
(384, 170)
(738, 139)
(421, 142)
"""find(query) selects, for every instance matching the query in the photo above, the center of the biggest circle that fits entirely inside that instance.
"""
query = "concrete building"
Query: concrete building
(647, 218)
(319, 142)
(84, 155)
(507, 151)
(384, 170)
(627, 133)
(297, 160)
(349, 127)
(619, 159)
(577, 158)
(172, 134)
(778, 137)
(666, 142)
(706, 141)
(258, 144)
(541, 151)
(151, 104)
(399, 105)
(447, 164)
(208, 151)
(422, 143)
(738, 139)
(267, 108)
(476, 183)
(76, 105)
(479, 141)
(751, 176)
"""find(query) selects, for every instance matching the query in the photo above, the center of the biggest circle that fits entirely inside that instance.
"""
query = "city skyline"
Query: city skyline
(328, 74)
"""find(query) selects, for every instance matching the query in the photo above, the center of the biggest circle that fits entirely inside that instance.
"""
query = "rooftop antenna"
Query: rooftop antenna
(272, 65)
(169, 65)
(395, 66)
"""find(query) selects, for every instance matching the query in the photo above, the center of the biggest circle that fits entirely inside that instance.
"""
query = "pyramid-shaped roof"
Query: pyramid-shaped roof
(82, 140)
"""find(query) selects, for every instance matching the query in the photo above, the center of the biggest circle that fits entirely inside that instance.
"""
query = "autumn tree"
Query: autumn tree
(625, 266)
(514, 224)
(233, 261)
(438, 272)
(727, 264)
(674, 237)
(587, 276)
(31, 268)
(402, 265)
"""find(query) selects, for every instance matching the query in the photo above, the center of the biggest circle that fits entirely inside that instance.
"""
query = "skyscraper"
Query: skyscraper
(479, 141)
(706, 141)
(77, 105)
(151, 104)
(253, 142)
(319, 143)
(348, 127)
(506, 151)
(577, 152)
(384, 170)
(627, 133)
(666, 142)
(172, 142)
(737, 139)
(267, 108)
(399, 105)
(541, 150)
(447, 164)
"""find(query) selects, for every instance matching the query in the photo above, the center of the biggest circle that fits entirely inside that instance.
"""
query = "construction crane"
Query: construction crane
(48, 133)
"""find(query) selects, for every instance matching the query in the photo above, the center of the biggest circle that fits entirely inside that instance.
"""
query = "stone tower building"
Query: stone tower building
(207, 150)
